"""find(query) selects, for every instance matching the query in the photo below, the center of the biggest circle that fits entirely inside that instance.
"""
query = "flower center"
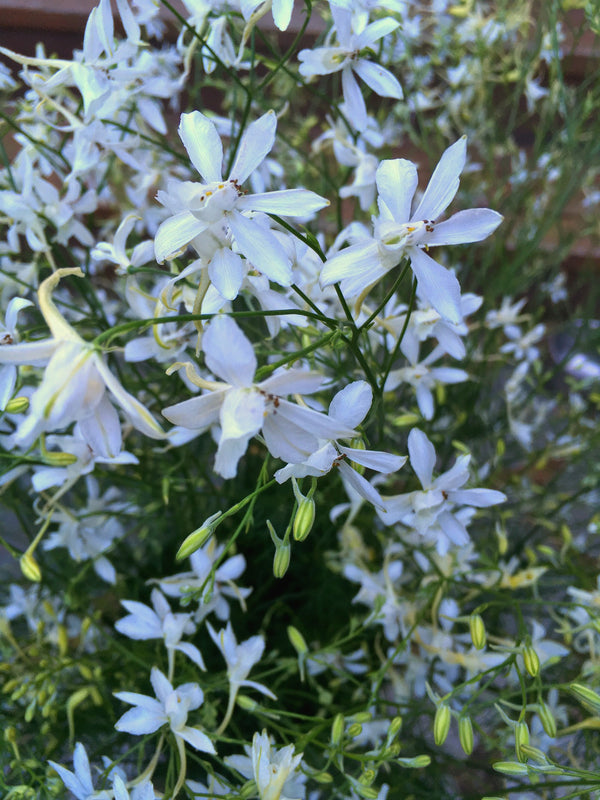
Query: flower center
(213, 200)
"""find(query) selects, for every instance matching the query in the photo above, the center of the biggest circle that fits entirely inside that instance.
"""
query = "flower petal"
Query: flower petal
(228, 352)
(226, 272)
(287, 202)
(174, 235)
(139, 416)
(471, 225)
(197, 413)
(436, 284)
(378, 78)
(357, 110)
(396, 183)
(203, 144)
(261, 248)
(444, 182)
(422, 456)
(351, 404)
(196, 738)
(256, 142)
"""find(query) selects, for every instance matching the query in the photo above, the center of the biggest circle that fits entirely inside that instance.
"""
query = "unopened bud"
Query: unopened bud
(63, 639)
(337, 730)
(441, 723)
(521, 738)
(362, 716)
(283, 552)
(502, 540)
(586, 696)
(395, 727)
(531, 660)
(247, 703)
(58, 459)
(367, 792)
(510, 768)
(367, 777)
(355, 730)
(477, 630)
(30, 568)
(297, 640)
(465, 734)
(197, 538)
(17, 405)
(322, 777)
(416, 762)
(305, 514)
(304, 519)
(547, 719)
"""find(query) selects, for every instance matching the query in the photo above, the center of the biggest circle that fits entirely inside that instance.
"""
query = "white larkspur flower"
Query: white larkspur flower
(431, 511)
(243, 408)
(348, 57)
(349, 407)
(170, 708)
(79, 782)
(402, 233)
(240, 658)
(75, 379)
(271, 767)
(159, 622)
(208, 214)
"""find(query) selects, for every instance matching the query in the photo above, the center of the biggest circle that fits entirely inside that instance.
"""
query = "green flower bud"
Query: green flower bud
(355, 729)
(303, 519)
(198, 537)
(17, 405)
(531, 660)
(547, 719)
(586, 696)
(465, 734)
(30, 568)
(367, 777)
(521, 738)
(58, 459)
(366, 791)
(297, 640)
(283, 551)
(395, 727)
(416, 762)
(441, 723)
(477, 630)
(510, 768)
(322, 777)
(337, 730)
(362, 716)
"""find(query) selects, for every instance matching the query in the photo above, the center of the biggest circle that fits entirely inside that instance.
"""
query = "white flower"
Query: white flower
(75, 379)
(143, 622)
(208, 214)
(221, 585)
(272, 768)
(240, 658)
(349, 407)
(400, 233)
(243, 408)
(431, 511)
(79, 782)
(348, 57)
(171, 708)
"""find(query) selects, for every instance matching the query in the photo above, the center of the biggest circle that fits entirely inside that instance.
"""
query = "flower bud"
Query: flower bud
(198, 537)
(57, 459)
(305, 513)
(337, 730)
(322, 777)
(416, 762)
(283, 551)
(521, 738)
(367, 792)
(441, 723)
(465, 734)
(247, 703)
(586, 696)
(362, 716)
(477, 630)
(303, 519)
(531, 660)
(510, 768)
(17, 405)
(547, 719)
(395, 727)
(297, 640)
(30, 568)
(355, 730)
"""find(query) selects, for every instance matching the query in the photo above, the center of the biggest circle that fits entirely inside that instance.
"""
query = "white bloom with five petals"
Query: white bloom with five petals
(402, 233)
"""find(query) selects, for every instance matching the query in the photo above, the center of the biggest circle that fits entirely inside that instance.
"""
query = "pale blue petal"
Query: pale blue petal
(203, 145)
(256, 142)
(444, 182)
